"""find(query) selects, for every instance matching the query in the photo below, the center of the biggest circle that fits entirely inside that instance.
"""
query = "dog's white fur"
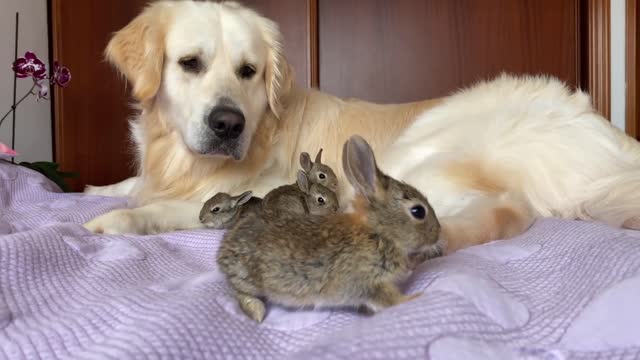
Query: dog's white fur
(490, 158)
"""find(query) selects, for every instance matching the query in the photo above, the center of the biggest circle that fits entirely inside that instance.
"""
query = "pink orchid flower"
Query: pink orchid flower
(60, 75)
(43, 90)
(30, 66)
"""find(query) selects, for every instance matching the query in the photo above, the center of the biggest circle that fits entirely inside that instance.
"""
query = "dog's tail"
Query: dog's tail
(614, 199)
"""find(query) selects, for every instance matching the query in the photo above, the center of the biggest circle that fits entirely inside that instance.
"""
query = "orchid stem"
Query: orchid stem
(15, 84)
(13, 107)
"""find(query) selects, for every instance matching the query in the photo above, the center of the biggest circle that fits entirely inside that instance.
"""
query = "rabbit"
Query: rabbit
(318, 172)
(344, 259)
(303, 197)
(222, 210)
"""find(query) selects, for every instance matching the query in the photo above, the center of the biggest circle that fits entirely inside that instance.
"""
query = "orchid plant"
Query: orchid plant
(30, 67)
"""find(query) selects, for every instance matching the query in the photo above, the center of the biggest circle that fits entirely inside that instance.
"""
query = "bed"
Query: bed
(564, 289)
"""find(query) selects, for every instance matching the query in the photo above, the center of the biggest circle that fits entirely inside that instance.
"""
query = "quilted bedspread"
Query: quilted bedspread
(564, 289)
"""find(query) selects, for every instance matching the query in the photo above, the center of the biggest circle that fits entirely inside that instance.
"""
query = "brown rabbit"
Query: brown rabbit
(342, 259)
(302, 197)
(222, 210)
(318, 172)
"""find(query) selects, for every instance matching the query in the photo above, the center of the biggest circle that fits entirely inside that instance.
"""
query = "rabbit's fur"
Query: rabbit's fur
(343, 259)
(318, 172)
(303, 197)
(223, 211)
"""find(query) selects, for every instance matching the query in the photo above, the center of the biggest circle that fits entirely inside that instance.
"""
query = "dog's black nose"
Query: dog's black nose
(226, 122)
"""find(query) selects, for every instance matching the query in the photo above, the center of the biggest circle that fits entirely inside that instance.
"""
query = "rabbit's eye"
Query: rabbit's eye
(321, 200)
(322, 176)
(215, 209)
(418, 212)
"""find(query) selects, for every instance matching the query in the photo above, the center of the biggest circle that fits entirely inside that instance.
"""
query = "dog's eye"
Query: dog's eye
(320, 199)
(418, 212)
(322, 176)
(190, 64)
(215, 209)
(246, 71)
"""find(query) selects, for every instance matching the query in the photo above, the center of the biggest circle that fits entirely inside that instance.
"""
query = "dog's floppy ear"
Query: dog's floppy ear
(137, 51)
(278, 75)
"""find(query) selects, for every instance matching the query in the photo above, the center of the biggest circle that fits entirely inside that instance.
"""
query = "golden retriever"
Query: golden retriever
(219, 112)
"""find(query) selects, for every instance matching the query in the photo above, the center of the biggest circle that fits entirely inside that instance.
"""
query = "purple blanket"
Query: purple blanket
(565, 289)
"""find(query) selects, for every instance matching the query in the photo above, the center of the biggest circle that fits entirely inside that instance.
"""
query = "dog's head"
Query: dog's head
(211, 69)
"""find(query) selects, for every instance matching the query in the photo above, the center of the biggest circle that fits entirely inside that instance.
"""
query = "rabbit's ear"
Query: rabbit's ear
(303, 182)
(359, 166)
(319, 157)
(305, 161)
(243, 198)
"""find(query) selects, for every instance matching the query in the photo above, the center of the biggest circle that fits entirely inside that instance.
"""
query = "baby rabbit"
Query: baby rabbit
(222, 210)
(302, 197)
(342, 259)
(318, 172)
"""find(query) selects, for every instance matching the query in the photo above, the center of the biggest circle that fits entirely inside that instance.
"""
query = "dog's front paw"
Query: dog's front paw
(93, 190)
(122, 221)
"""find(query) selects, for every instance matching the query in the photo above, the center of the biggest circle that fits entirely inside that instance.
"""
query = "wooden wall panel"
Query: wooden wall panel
(596, 56)
(293, 18)
(404, 50)
(90, 126)
(633, 69)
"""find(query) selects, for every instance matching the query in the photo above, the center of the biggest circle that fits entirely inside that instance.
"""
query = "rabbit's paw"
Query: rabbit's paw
(252, 306)
(411, 297)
